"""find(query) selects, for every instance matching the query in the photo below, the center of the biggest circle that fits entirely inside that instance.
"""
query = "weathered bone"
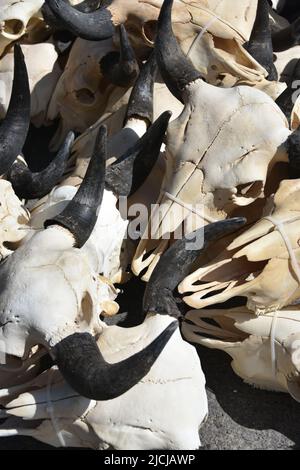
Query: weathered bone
(257, 270)
(264, 349)
(14, 127)
(18, 18)
(216, 168)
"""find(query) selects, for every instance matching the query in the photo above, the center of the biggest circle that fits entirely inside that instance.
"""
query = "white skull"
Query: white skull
(18, 17)
(43, 74)
(152, 415)
(218, 159)
(14, 220)
(255, 263)
(265, 349)
(107, 239)
(49, 290)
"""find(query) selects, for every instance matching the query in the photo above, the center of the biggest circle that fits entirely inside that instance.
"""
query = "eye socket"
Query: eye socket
(13, 27)
(85, 96)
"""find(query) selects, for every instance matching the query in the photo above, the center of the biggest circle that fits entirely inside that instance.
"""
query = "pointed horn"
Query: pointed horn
(93, 26)
(80, 215)
(130, 171)
(176, 69)
(141, 99)
(293, 385)
(86, 371)
(260, 42)
(287, 38)
(285, 100)
(120, 68)
(28, 185)
(14, 127)
(176, 262)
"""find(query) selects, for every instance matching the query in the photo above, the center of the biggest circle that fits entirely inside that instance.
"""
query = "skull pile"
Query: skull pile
(151, 138)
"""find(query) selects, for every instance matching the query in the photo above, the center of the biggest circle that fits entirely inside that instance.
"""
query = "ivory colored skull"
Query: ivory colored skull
(211, 32)
(18, 17)
(50, 290)
(13, 220)
(82, 93)
(218, 160)
(151, 415)
(257, 264)
(188, 17)
(265, 349)
(43, 74)
(127, 136)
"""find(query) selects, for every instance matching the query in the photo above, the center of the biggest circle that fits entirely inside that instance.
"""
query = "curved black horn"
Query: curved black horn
(260, 42)
(176, 262)
(84, 368)
(80, 215)
(287, 37)
(289, 9)
(93, 26)
(14, 127)
(176, 69)
(141, 98)
(285, 100)
(129, 172)
(120, 68)
(28, 185)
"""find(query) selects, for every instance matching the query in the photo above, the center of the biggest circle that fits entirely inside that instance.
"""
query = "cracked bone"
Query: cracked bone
(220, 167)
(149, 416)
(264, 349)
(210, 163)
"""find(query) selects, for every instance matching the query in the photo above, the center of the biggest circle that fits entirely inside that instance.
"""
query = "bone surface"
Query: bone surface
(145, 417)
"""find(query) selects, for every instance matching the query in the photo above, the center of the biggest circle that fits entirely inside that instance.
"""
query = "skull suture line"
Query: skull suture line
(18, 17)
(222, 32)
(217, 157)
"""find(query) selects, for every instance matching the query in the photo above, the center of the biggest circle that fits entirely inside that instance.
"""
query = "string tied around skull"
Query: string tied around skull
(279, 225)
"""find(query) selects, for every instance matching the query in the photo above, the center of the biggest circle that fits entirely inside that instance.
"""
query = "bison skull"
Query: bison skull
(146, 417)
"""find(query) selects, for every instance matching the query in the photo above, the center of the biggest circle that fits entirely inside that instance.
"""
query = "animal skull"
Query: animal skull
(264, 349)
(255, 263)
(146, 417)
(18, 17)
(107, 239)
(218, 158)
(82, 93)
(14, 220)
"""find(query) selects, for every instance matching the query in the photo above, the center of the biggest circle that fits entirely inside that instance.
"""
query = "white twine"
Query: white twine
(50, 410)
